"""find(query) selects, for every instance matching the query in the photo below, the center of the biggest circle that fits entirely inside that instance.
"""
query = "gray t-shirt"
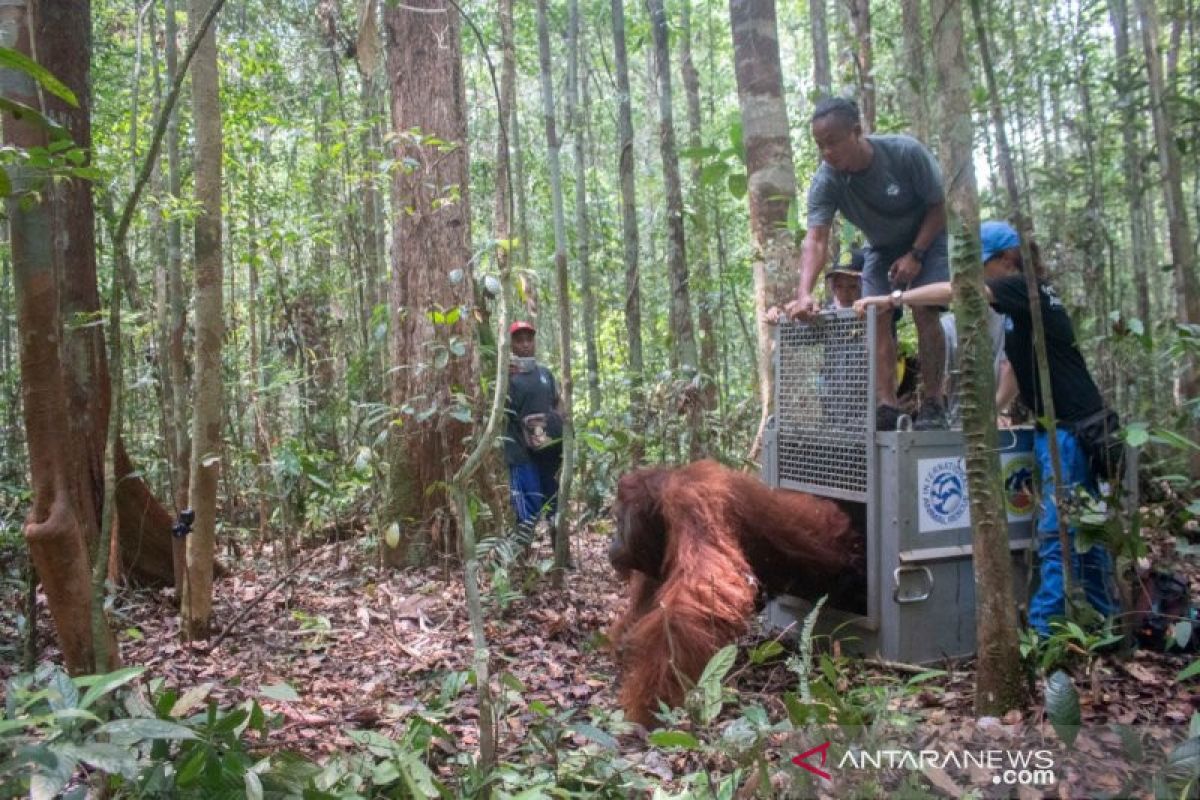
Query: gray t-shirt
(887, 200)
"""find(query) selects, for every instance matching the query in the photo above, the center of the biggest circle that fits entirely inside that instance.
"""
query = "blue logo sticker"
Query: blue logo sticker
(944, 493)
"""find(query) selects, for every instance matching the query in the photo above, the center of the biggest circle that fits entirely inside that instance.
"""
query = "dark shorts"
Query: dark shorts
(934, 269)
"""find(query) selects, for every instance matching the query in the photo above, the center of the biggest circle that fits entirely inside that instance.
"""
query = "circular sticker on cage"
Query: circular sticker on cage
(1018, 485)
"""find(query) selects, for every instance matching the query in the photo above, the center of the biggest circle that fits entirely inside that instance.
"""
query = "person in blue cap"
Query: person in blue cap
(1075, 397)
(890, 188)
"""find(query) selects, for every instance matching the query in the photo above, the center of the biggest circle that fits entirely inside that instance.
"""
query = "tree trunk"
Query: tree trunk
(913, 81)
(1126, 84)
(860, 20)
(998, 681)
(63, 519)
(704, 281)
(577, 116)
(683, 339)
(432, 348)
(1183, 252)
(818, 22)
(561, 539)
(772, 177)
(629, 229)
(196, 608)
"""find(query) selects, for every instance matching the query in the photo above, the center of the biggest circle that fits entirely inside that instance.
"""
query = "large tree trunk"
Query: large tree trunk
(998, 679)
(629, 228)
(196, 608)
(431, 318)
(683, 337)
(1183, 251)
(47, 229)
(772, 176)
(553, 145)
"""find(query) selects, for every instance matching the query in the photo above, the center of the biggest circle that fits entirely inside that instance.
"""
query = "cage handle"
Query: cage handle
(912, 598)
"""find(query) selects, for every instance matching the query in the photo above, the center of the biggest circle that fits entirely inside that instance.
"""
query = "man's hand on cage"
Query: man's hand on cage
(773, 315)
(803, 308)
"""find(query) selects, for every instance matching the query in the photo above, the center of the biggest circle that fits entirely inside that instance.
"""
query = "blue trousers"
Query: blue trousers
(534, 489)
(1093, 570)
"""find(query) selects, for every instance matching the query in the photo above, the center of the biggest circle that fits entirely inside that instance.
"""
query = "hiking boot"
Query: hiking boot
(931, 416)
(886, 417)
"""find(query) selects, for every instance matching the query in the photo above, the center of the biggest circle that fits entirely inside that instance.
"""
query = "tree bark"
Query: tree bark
(205, 469)
(913, 81)
(63, 519)
(553, 145)
(432, 350)
(577, 116)
(772, 176)
(818, 23)
(700, 230)
(683, 338)
(860, 20)
(629, 229)
(998, 681)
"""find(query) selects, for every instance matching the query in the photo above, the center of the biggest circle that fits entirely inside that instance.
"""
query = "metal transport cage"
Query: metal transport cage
(907, 488)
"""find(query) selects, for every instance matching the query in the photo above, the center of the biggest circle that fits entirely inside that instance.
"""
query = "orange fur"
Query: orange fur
(697, 542)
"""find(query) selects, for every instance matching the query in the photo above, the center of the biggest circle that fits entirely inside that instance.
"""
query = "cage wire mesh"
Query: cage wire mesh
(823, 405)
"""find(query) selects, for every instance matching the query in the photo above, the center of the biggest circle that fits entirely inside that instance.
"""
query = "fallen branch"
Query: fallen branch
(285, 578)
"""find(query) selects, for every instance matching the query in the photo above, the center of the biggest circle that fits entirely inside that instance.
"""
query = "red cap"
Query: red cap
(521, 325)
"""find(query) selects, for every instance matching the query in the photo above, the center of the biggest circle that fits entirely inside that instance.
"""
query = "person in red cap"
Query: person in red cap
(533, 436)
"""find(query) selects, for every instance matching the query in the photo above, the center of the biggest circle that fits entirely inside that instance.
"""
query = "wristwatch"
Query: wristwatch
(918, 254)
(897, 300)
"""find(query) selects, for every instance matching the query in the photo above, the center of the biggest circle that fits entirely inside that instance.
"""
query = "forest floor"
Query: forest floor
(365, 649)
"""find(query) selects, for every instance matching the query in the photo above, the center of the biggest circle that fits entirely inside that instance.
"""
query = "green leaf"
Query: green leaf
(705, 151)
(19, 61)
(417, 776)
(1184, 761)
(1062, 706)
(129, 731)
(279, 691)
(737, 185)
(1183, 633)
(674, 739)
(1164, 436)
(5, 183)
(1137, 434)
(191, 768)
(765, 652)
(1190, 671)
(392, 535)
(109, 682)
(718, 667)
(109, 757)
(594, 734)
(713, 173)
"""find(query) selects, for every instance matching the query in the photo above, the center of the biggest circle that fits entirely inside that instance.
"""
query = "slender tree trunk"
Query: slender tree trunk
(1183, 248)
(432, 360)
(772, 177)
(577, 116)
(629, 229)
(860, 20)
(683, 339)
(562, 542)
(818, 23)
(196, 609)
(913, 81)
(704, 281)
(176, 350)
(998, 681)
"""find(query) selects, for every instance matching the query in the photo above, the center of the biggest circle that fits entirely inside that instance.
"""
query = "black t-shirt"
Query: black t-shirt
(1071, 386)
(532, 392)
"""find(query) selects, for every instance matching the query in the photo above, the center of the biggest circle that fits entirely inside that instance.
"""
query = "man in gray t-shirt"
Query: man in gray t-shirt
(890, 188)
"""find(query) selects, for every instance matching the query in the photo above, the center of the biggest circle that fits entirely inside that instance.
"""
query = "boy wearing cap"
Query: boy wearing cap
(532, 441)
(890, 188)
(845, 282)
(1076, 399)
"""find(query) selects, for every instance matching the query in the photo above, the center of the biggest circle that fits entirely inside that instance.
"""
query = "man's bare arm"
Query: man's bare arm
(933, 223)
(813, 252)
